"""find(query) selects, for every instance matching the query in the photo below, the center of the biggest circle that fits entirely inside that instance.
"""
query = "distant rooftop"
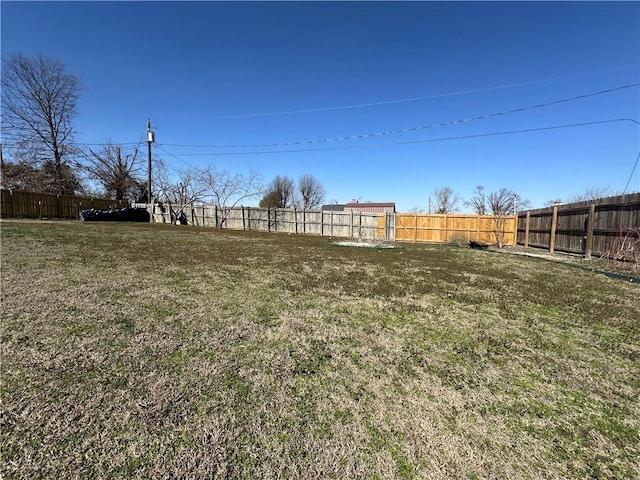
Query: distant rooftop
(370, 204)
(335, 207)
(373, 207)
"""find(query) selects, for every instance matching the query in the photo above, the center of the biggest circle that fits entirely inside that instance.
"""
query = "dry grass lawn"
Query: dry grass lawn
(151, 351)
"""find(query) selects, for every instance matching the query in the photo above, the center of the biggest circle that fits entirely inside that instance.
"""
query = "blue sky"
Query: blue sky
(216, 74)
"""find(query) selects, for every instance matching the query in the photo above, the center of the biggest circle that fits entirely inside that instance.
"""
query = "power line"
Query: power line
(631, 175)
(124, 145)
(442, 139)
(402, 100)
(172, 155)
(412, 129)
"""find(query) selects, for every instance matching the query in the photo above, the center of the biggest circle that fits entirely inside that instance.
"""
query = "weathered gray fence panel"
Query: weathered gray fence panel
(611, 217)
(366, 226)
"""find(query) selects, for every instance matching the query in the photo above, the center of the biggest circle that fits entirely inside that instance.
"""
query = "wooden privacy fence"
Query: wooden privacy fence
(439, 228)
(19, 204)
(373, 226)
(588, 228)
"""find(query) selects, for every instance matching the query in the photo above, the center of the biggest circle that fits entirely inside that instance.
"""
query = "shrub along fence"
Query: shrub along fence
(588, 228)
(19, 204)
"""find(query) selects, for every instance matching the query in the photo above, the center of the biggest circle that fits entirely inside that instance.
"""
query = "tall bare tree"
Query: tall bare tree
(39, 104)
(311, 192)
(446, 200)
(502, 202)
(117, 174)
(279, 193)
(228, 190)
(478, 202)
(177, 191)
(182, 187)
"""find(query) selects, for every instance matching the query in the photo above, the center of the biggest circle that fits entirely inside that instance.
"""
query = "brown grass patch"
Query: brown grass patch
(149, 351)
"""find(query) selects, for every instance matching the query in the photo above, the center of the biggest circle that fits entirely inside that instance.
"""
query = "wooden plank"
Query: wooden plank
(552, 233)
(590, 224)
(526, 229)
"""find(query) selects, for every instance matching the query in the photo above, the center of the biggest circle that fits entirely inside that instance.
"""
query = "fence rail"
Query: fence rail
(588, 228)
(19, 204)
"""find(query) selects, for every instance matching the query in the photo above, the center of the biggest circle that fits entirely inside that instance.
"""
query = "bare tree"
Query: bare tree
(311, 192)
(228, 190)
(177, 191)
(279, 193)
(39, 103)
(446, 200)
(116, 174)
(503, 203)
(594, 193)
(478, 202)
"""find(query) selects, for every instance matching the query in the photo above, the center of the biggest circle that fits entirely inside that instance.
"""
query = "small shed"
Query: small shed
(370, 207)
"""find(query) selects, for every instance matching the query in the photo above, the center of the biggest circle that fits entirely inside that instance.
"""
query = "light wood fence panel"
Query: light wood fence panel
(439, 228)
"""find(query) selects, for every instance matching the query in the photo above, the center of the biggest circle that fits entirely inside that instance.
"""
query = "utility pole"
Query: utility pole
(150, 140)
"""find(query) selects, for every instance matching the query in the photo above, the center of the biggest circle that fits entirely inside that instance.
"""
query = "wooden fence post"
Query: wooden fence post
(554, 224)
(268, 219)
(591, 220)
(526, 229)
(295, 220)
(415, 228)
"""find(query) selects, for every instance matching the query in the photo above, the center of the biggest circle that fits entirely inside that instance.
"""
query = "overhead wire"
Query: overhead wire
(441, 139)
(174, 156)
(401, 100)
(411, 129)
(635, 165)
